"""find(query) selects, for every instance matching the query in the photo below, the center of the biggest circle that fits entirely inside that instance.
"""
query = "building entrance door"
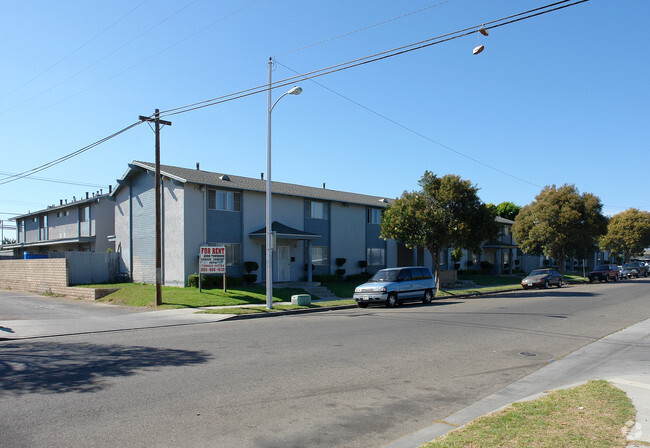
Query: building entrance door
(284, 263)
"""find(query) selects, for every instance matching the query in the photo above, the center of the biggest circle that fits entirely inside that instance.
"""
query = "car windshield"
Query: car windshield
(385, 276)
(602, 267)
(630, 265)
(538, 272)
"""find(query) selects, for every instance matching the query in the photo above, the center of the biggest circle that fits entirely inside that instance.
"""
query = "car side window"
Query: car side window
(424, 274)
(405, 274)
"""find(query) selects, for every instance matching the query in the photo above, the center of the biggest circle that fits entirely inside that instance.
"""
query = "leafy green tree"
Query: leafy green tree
(628, 233)
(508, 210)
(560, 223)
(446, 212)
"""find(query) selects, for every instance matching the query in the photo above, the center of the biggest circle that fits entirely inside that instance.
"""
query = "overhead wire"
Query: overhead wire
(419, 134)
(314, 74)
(374, 57)
(365, 28)
(47, 165)
(74, 51)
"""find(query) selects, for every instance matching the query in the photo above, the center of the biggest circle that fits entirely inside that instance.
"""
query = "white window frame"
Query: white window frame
(233, 252)
(374, 216)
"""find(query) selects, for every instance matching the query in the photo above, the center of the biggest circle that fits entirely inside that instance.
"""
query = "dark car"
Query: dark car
(543, 278)
(637, 269)
(604, 272)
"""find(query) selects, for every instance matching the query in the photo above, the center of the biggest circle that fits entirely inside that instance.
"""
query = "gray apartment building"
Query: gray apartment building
(208, 208)
(81, 225)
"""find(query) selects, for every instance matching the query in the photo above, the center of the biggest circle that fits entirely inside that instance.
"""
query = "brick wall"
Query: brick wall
(43, 275)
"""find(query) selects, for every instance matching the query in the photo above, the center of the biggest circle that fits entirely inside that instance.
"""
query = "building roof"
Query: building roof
(53, 208)
(230, 181)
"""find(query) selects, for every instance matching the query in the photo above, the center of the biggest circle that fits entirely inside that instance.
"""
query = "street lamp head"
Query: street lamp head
(295, 91)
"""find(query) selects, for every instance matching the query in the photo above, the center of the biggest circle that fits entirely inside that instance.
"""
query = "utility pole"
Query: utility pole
(158, 122)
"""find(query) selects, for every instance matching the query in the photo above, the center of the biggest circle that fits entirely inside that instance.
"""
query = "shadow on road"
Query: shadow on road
(50, 367)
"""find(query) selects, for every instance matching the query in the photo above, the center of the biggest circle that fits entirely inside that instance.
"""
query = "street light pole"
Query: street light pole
(269, 230)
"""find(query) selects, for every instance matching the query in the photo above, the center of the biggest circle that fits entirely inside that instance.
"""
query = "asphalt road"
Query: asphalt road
(346, 378)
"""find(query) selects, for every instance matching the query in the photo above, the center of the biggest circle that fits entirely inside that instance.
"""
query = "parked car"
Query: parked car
(397, 285)
(637, 269)
(543, 278)
(604, 272)
(623, 272)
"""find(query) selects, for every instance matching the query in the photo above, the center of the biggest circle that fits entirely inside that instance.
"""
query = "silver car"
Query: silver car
(397, 285)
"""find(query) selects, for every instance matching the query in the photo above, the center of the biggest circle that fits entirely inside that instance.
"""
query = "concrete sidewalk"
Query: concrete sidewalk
(622, 358)
(24, 329)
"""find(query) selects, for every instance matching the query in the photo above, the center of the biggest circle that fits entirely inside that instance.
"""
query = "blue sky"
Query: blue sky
(560, 98)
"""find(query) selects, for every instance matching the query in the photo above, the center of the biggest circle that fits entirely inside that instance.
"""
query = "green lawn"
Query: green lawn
(139, 294)
(592, 415)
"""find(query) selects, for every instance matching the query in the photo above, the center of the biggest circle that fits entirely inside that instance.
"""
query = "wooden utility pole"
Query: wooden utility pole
(158, 122)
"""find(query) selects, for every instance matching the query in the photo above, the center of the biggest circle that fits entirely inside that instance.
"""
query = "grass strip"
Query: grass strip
(595, 414)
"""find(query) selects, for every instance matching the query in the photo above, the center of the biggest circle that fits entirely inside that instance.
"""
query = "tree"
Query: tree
(560, 223)
(446, 212)
(628, 233)
(8, 241)
(506, 210)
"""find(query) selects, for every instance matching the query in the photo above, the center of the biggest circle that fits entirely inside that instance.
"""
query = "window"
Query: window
(374, 216)
(233, 250)
(224, 200)
(319, 255)
(84, 214)
(375, 257)
(317, 210)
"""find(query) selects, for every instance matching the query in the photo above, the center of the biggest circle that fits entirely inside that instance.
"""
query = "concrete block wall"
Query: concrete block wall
(43, 275)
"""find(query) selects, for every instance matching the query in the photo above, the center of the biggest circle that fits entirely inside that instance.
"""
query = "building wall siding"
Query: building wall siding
(144, 229)
(194, 210)
(347, 236)
(173, 226)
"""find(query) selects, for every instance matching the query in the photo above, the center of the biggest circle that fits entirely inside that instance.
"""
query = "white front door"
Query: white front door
(284, 263)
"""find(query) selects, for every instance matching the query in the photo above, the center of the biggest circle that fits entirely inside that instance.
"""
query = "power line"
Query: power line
(56, 181)
(47, 165)
(375, 57)
(416, 132)
(100, 59)
(317, 73)
(74, 51)
(360, 29)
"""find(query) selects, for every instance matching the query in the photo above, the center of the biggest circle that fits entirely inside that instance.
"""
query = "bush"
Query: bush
(250, 266)
(324, 278)
(486, 265)
(212, 281)
(358, 278)
(340, 272)
(363, 264)
(249, 279)
(340, 262)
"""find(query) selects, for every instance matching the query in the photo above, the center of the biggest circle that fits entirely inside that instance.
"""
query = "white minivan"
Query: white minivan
(397, 285)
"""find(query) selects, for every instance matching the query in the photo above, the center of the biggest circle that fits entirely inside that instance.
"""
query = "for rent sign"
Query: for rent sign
(212, 260)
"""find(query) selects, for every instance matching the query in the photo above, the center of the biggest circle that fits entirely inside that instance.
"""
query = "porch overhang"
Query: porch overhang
(284, 232)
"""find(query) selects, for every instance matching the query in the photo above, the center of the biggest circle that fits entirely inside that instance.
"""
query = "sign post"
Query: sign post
(212, 260)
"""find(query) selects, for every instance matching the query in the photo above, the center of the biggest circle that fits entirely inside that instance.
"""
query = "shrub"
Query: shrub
(340, 262)
(486, 265)
(340, 272)
(250, 266)
(358, 278)
(212, 281)
(324, 278)
(249, 279)
(363, 264)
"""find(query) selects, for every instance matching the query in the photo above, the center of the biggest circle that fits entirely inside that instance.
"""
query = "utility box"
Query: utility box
(301, 299)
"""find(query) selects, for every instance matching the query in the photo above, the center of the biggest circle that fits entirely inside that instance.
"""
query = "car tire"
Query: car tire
(546, 284)
(428, 296)
(362, 304)
(606, 278)
(559, 283)
(391, 301)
